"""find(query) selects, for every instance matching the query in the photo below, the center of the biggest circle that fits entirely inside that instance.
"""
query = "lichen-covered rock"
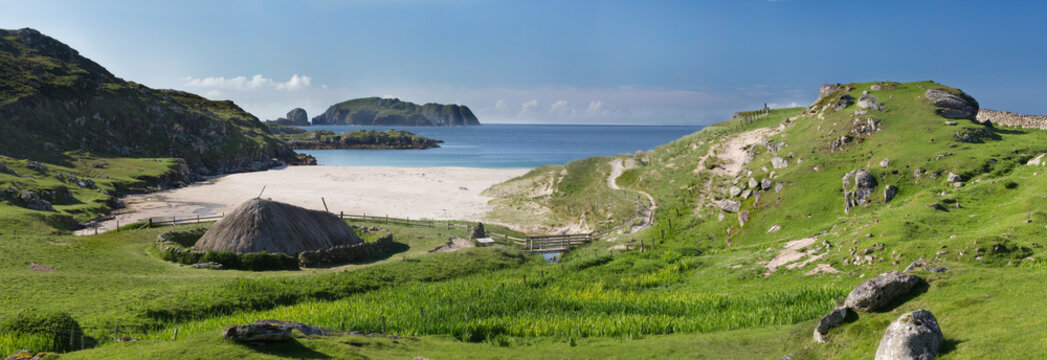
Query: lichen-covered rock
(831, 320)
(913, 336)
(961, 106)
(874, 294)
(857, 188)
(954, 177)
(743, 217)
(33, 201)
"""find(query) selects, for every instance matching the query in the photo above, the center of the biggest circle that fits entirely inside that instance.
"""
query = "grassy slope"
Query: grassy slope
(690, 296)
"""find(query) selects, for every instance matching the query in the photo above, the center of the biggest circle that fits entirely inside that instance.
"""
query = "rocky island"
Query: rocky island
(391, 139)
(295, 117)
(377, 111)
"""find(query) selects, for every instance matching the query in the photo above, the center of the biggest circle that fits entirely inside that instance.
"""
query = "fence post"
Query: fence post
(150, 222)
(96, 230)
(83, 344)
(197, 218)
(421, 310)
(343, 327)
(71, 345)
(383, 324)
(117, 225)
(116, 332)
(175, 337)
(341, 214)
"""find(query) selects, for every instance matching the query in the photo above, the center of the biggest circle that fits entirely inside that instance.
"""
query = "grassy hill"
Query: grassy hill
(80, 121)
(701, 288)
(394, 112)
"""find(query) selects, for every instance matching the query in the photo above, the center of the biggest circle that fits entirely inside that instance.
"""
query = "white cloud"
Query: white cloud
(213, 94)
(560, 108)
(595, 108)
(500, 105)
(526, 106)
(242, 83)
(296, 82)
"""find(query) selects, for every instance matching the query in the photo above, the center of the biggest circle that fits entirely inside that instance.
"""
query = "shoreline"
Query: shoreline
(438, 193)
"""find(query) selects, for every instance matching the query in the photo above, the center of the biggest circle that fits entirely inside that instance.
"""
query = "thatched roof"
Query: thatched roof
(263, 225)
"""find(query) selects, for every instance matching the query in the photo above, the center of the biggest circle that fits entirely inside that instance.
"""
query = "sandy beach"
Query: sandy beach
(435, 193)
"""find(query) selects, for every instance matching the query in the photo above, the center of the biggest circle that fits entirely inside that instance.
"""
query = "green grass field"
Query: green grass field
(690, 294)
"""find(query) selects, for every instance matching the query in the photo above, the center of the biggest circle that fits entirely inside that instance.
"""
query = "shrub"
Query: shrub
(44, 331)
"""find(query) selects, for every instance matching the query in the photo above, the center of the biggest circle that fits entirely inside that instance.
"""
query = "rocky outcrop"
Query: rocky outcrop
(845, 101)
(832, 320)
(1004, 118)
(889, 192)
(295, 117)
(779, 163)
(869, 102)
(953, 106)
(913, 336)
(876, 293)
(258, 332)
(857, 188)
(394, 112)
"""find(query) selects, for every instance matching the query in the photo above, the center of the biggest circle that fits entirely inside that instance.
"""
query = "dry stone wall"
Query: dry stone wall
(1006, 118)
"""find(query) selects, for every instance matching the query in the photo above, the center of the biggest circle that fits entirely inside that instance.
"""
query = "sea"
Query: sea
(504, 145)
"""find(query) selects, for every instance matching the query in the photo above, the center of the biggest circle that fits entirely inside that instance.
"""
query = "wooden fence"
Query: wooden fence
(534, 244)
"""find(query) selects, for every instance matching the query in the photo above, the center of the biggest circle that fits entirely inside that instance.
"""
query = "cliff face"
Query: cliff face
(52, 100)
(393, 112)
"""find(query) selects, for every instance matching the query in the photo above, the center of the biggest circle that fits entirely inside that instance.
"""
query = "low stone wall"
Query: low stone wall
(346, 254)
(1005, 118)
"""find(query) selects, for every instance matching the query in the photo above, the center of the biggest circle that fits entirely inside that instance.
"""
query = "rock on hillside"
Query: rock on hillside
(876, 293)
(913, 336)
(953, 106)
(393, 112)
(53, 100)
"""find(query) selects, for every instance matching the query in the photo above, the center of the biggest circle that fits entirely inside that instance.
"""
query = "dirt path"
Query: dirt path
(617, 168)
(732, 154)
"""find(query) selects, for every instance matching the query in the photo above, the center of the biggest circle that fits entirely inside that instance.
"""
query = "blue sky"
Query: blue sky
(637, 62)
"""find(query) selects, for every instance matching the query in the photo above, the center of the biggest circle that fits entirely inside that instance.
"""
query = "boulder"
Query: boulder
(874, 294)
(885, 162)
(305, 329)
(734, 191)
(765, 184)
(953, 106)
(954, 177)
(845, 101)
(869, 102)
(730, 205)
(743, 217)
(774, 228)
(778, 187)
(779, 162)
(875, 87)
(258, 332)
(746, 194)
(913, 336)
(33, 201)
(832, 320)
(478, 231)
(857, 188)
(1036, 161)
(889, 192)
(752, 183)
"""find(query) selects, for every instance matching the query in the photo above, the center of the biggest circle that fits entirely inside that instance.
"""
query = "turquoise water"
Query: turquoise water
(505, 146)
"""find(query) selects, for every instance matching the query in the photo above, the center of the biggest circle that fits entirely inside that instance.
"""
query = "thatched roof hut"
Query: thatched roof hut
(264, 225)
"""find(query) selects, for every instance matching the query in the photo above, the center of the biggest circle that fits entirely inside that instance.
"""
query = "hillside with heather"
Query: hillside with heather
(375, 111)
